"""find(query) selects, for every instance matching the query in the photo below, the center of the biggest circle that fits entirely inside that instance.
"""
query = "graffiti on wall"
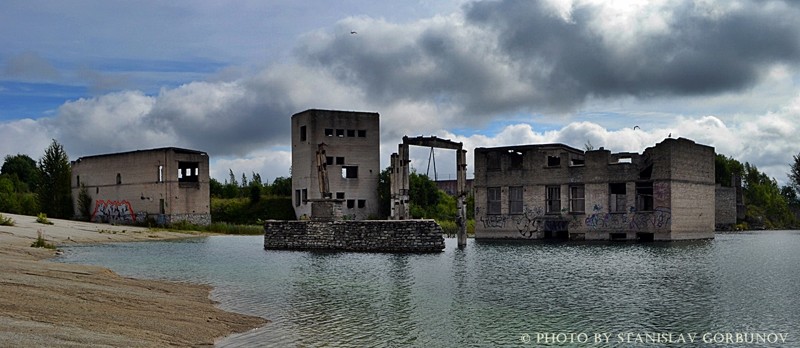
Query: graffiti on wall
(659, 218)
(113, 211)
(529, 223)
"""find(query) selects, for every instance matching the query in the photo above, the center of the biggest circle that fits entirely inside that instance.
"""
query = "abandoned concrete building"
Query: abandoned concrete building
(556, 191)
(165, 184)
(336, 159)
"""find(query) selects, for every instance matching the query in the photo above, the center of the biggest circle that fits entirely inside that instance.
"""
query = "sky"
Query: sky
(225, 77)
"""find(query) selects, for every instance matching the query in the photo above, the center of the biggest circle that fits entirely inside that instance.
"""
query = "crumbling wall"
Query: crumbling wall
(364, 235)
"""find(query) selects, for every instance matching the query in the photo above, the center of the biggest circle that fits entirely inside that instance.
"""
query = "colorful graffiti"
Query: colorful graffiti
(113, 211)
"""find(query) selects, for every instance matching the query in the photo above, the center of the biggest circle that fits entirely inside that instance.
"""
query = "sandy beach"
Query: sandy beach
(50, 304)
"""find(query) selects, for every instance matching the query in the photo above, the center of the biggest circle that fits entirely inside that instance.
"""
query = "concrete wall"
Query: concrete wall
(675, 179)
(725, 215)
(345, 141)
(367, 235)
(133, 186)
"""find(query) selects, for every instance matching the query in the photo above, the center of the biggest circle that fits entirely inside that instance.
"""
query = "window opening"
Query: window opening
(349, 172)
(644, 196)
(302, 133)
(362, 203)
(351, 203)
(616, 199)
(362, 133)
(553, 161)
(188, 171)
(351, 133)
(339, 195)
(328, 132)
(340, 133)
(577, 199)
(492, 161)
(119, 179)
(339, 160)
(515, 204)
(493, 200)
(553, 199)
(515, 159)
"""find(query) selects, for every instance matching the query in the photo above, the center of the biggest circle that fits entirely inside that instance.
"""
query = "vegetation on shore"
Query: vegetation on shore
(40, 242)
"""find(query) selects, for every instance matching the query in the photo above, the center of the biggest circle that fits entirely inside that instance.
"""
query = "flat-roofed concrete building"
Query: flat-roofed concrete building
(556, 191)
(344, 147)
(165, 184)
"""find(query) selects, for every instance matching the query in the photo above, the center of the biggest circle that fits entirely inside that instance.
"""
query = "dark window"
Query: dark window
(553, 199)
(362, 203)
(492, 161)
(349, 172)
(577, 160)
(296, 198)
(188, 171)
(340, 160)
(119, 178)
(553, 161)
(644, 196)
(362, 133)
(515, 200)
(329, 160)
(351, 133)
(328, 132)
(302, 133)
(339, 195)
(161, 206)
(515, 159)
(340, 133)
(78, 181)
(616, 198)
(351, 203)
(493, 200)
(305, 196)
(577, 199)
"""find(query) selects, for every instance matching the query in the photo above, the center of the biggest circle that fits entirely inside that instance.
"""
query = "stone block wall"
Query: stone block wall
(365, 235)
(725, 207)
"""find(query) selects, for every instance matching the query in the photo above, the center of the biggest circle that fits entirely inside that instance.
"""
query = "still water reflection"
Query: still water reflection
(490, 294)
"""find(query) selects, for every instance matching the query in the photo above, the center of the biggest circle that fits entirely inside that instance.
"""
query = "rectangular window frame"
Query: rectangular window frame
(515, 200)
(644, 196)
(552, 200)
(493, 201)
(577, 199)
(617, 197)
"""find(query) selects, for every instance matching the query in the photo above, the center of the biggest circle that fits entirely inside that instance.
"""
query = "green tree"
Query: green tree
(8, 196)
(24, 169)
(794, 173)
(384, 193)
(764, 200)
(55, 194)
(282, 187)
(84, 203)
(216, 188)
(725, 167)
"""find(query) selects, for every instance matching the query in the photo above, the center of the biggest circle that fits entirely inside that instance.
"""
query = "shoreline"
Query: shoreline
(52, 304)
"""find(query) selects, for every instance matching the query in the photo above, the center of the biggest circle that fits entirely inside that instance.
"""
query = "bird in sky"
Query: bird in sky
(353, 32)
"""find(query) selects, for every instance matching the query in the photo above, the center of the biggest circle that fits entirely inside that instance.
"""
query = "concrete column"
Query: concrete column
(461, 207)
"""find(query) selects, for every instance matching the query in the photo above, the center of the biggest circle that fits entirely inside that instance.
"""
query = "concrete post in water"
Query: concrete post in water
(461, 181)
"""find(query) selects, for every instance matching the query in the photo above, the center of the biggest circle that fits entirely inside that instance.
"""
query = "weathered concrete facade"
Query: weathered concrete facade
(371, 235)
(543, 191)
(348, 145)
(166, 184)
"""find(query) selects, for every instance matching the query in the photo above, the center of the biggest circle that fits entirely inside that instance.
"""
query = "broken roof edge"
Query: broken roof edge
(159, 149)
(531, 146)
(314, 110)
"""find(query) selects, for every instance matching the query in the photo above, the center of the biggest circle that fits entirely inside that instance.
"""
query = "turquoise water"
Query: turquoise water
(741, 287)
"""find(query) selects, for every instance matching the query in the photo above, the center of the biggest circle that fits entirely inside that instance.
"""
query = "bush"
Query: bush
(450, 228)
(241, 211)
(41, 242)
(6, 221)
(42, 219)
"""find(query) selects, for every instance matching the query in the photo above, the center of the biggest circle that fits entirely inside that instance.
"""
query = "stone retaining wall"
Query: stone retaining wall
(366, 235)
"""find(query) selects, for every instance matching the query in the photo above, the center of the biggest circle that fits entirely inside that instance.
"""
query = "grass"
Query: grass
(6, 221)
(41, 242)
(218, 227)
(42, 219)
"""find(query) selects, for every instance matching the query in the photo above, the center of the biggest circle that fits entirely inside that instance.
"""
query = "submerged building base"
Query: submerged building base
(365, 235)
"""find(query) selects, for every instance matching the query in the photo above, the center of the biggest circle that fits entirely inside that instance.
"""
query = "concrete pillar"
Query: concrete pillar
(461, 206)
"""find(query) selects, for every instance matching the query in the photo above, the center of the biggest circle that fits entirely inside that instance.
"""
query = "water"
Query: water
(490, 294)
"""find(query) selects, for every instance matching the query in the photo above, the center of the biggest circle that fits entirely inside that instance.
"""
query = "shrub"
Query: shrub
(42, 219)
(6, 221)
(41, 242)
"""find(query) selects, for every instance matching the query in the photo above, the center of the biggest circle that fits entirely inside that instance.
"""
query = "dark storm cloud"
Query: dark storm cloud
(519, 55)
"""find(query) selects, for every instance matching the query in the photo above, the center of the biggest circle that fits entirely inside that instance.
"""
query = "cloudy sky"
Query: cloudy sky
(225, 77)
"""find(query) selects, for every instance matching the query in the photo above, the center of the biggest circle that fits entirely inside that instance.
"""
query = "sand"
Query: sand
(51, 304)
